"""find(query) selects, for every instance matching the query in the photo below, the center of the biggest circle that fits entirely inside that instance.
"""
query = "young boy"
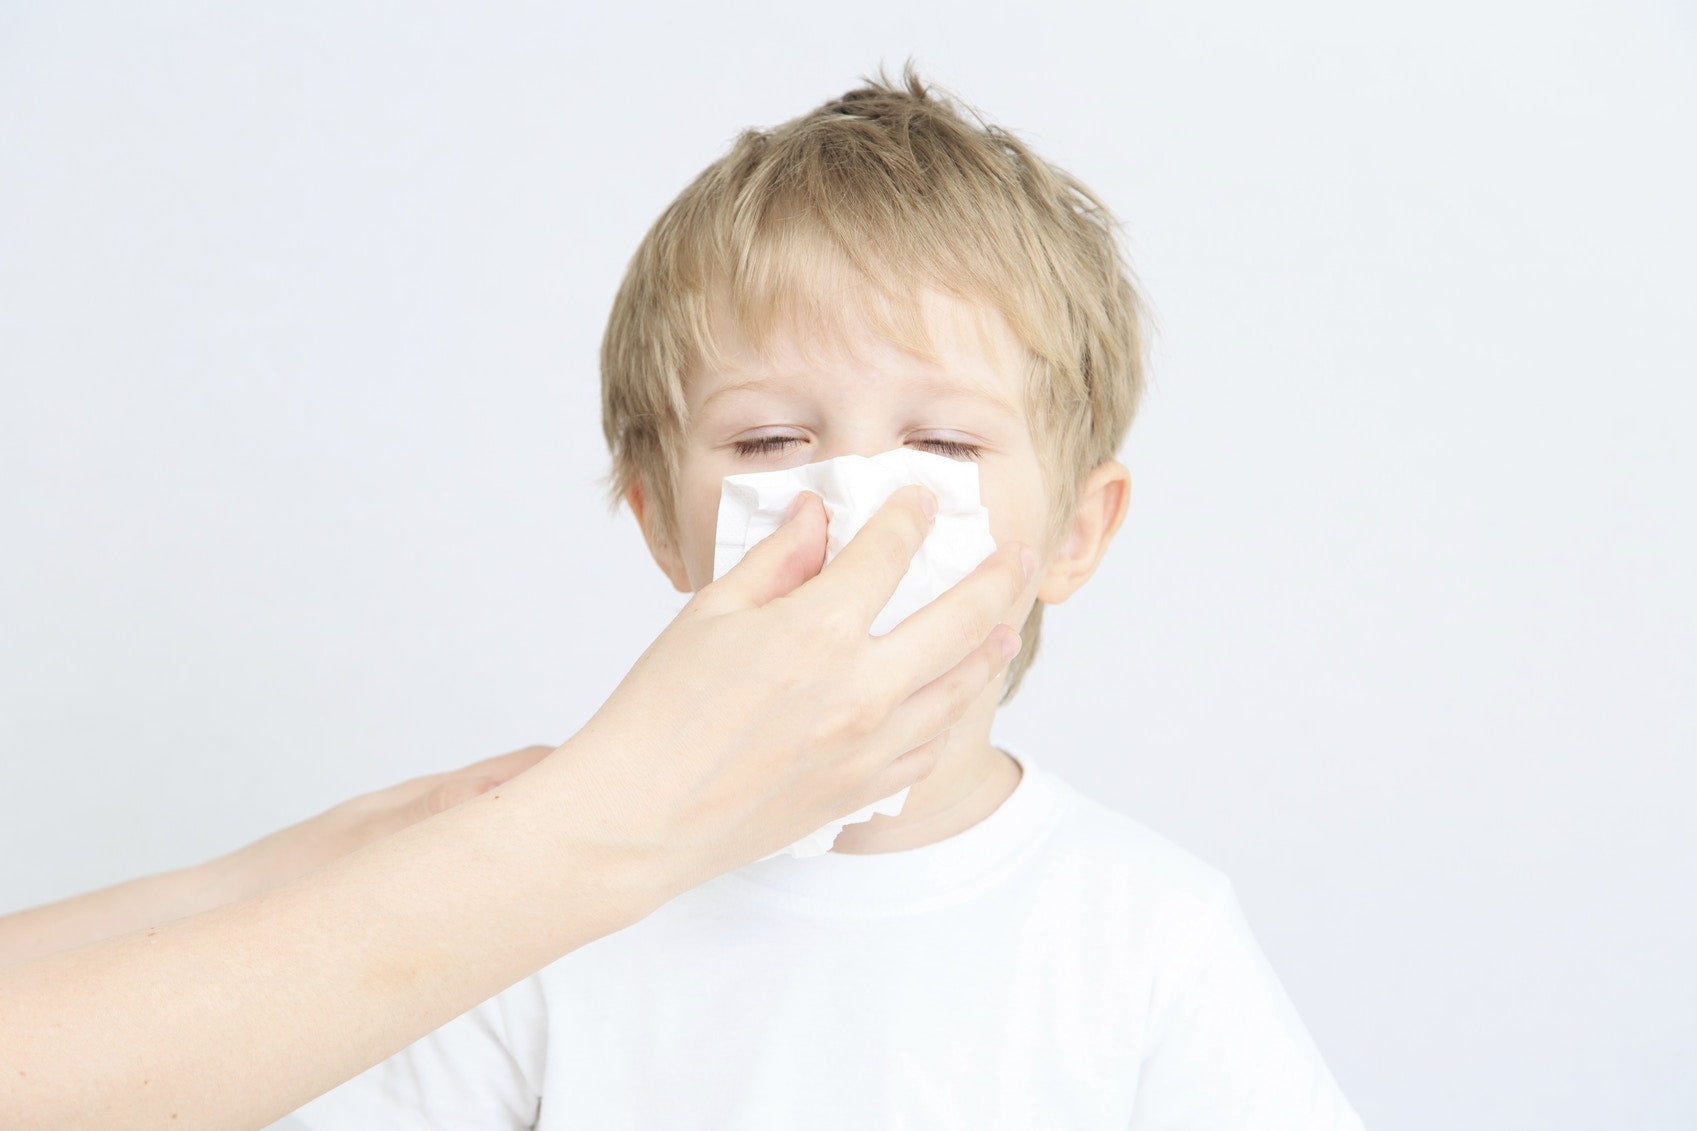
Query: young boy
(887, 273)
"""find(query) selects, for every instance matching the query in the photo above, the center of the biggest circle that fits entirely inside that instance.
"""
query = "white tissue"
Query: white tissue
(853, 488)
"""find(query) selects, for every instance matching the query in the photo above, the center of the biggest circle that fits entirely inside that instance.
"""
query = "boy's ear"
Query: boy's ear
(660, 544)
(1101, 508)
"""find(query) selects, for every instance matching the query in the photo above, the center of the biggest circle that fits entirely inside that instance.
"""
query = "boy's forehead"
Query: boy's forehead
(936, 345)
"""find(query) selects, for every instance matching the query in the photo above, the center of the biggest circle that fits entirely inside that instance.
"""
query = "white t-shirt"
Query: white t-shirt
(1057, 965)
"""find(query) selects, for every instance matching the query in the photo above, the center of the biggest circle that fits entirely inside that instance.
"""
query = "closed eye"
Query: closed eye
(954, 449)
(771, 445)
(765, 445)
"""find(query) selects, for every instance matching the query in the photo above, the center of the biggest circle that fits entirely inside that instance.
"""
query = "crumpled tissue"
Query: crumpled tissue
(853, 488)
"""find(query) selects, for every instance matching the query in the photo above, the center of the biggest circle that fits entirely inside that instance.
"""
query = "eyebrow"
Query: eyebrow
(929, 386)
(753, 384)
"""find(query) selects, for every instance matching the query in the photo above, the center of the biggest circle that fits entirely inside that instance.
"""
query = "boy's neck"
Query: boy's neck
(971, 781)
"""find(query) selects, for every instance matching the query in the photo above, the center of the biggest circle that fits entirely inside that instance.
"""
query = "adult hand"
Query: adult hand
(766, 709)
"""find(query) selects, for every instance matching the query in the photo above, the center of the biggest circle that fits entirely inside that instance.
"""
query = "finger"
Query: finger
(776, 564)
(455, 790)
(940, 704)
(504, 767)
(934, 639)
(451, 789)
(909, 769)
(863, 576)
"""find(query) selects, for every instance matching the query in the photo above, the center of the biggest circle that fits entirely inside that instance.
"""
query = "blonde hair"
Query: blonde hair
(858, 208)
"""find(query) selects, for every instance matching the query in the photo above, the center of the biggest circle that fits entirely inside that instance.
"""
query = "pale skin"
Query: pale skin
(805, 398)
(265, 864)
(764, 710)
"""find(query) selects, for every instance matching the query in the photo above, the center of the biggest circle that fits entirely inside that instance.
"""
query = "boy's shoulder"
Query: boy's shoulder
(1118, 859)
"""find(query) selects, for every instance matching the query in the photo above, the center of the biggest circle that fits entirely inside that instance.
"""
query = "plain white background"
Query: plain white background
(299, 459)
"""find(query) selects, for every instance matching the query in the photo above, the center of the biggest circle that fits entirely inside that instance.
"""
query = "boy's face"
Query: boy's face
(799, 402)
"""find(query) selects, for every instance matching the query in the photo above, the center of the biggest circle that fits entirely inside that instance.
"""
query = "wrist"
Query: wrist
(624, 846)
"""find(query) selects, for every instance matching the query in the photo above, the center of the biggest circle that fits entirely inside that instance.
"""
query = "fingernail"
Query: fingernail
(795, 506)
(1010, 645)
(1028, 562)
(928, 502)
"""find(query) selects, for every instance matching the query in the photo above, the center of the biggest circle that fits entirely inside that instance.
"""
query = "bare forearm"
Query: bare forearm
(237, 1016)
(267, 863)
(110, 912)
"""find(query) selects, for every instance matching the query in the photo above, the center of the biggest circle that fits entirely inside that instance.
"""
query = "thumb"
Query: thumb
(778, 563)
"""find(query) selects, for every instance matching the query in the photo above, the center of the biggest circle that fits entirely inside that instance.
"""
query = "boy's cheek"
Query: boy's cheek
(1018, 510)
(698, 519)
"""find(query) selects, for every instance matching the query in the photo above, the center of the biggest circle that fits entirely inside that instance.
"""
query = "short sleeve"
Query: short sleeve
(483, 1069)
(1228, 1051)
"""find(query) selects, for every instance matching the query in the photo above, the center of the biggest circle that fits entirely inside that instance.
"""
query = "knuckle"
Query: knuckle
(439, 800)
(861, 710)
(966, 630)
(961, 688)
(839, 723)
(838, 622)
(848, 776)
